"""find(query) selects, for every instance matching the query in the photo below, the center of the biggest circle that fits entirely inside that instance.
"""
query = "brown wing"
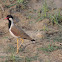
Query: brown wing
(20, 33)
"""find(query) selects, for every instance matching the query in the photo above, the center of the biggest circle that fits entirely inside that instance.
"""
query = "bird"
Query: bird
(17, 32)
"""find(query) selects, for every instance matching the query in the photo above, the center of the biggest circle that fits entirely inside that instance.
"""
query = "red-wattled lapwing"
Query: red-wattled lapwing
(16, 32)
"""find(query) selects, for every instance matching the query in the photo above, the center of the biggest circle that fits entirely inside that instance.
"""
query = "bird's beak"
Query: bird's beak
(6, 18)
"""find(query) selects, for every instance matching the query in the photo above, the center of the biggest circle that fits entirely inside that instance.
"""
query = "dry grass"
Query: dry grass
(48, 46)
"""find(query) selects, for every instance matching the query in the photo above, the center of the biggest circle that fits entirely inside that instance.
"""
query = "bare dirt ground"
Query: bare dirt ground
(48, 45)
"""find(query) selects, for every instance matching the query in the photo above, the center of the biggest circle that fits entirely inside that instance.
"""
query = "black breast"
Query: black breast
(9, 24)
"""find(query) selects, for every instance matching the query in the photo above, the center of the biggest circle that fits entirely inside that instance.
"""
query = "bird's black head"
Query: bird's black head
(9, 16)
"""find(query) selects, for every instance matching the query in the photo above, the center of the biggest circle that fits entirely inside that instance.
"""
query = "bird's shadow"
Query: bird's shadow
(24, 47)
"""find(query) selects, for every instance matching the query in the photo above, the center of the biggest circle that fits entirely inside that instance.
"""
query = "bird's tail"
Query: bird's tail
(32, 40)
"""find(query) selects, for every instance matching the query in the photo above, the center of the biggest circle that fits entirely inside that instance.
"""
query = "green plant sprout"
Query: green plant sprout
(20, 1)
(48, 48)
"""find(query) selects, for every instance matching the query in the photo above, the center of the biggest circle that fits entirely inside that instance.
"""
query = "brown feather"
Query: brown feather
(20, 33)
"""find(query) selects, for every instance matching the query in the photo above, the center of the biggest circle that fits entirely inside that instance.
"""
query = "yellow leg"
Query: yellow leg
(17, 46)
(21, 43)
